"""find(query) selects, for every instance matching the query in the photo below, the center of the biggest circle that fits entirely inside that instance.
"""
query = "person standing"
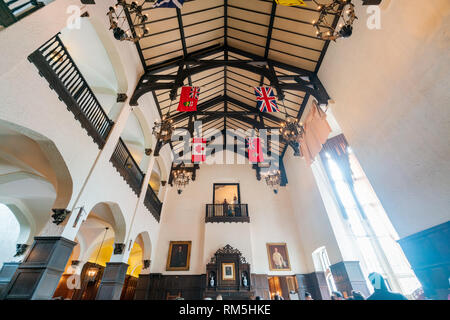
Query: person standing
(381, 289)
(236, 208)
(337, 295)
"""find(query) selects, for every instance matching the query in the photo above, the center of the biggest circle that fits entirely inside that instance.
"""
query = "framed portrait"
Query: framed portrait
(278, 256)
(228, 271)
(179, 256)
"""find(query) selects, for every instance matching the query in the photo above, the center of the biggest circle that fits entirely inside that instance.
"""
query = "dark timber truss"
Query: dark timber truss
(300, 80)
(227, 47)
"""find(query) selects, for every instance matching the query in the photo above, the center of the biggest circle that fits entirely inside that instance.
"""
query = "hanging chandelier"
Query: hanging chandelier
(164, 129)
(345, 10)
(118, 18)
(291, 129)
(273, 180)
(181, 178)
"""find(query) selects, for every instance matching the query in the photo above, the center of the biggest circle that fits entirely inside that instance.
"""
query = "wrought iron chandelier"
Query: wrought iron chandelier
(291, 129)
(117, 18)
(181, 178)
(273, 180)
(345, 10)
(164, 129)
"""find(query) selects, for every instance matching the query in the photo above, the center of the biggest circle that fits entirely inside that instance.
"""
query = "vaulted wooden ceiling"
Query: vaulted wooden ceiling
(232, 30)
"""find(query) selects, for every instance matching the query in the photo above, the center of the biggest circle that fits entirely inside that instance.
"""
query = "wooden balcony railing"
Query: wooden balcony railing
(152, 203)
(14, 10)
(227, 213)
(123, 161)
(57, 66)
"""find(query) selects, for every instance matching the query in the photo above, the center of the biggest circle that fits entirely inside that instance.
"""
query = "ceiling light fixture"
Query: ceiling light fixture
(181, 177)
(164, 129)
(117, 18)
(273, 179)
(291, 129)
(345, 10)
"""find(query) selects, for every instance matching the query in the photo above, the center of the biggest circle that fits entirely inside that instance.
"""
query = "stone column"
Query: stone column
(348, 276)
(38, 275)
(314, 283)
(112, 282)
(6, 273)
(9, 268)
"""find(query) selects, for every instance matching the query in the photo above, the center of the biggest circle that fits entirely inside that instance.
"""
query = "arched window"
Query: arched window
(9, 233)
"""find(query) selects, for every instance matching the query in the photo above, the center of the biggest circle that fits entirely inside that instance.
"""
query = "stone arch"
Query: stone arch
(25, 219)
(143, 239)
(110, 213)
(104, 69)
(51, 165)
(139, 253)
(145, 126)
(137, 137)
(113, 54)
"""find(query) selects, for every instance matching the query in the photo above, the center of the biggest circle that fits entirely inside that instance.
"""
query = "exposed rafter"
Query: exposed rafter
(227, 48)
(305, 81)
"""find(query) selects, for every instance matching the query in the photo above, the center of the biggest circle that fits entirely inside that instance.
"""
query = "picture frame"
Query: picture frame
(278, 256)
(179, 255)
(228, 271)
(226, 191)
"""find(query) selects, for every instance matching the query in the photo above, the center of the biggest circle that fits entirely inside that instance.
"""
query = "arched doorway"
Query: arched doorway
(103, 228)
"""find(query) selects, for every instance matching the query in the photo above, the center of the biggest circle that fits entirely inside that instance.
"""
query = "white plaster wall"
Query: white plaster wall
(392, 103)
(271, 217)
(237, 235)
(314, 227)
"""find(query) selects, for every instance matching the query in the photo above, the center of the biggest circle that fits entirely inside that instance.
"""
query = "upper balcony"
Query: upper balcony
(14, 10)
(56, 65)
(227, 213)
(125, 164)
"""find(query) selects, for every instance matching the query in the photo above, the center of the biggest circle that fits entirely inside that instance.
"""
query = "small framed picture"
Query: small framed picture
(228, 272)
(179, 256)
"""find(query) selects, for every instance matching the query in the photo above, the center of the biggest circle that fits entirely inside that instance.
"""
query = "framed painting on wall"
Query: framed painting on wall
(179, 256)
(228, 271)
(278, 257)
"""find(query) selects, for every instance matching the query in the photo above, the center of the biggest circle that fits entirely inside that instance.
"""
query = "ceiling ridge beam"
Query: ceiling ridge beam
(183, 39)
(171, 63)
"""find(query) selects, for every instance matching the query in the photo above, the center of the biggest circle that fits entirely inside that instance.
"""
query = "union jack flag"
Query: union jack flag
(168, 4)
(265, 97)
(194, 93)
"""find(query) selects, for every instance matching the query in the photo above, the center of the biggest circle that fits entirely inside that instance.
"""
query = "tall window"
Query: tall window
(9, 233)
(371, 228)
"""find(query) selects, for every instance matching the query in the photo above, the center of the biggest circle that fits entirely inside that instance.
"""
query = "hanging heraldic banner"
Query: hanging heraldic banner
(188, 99)
(291, 2)
(255, 153)
(265, 98)
(168, 4)
(198, 150)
